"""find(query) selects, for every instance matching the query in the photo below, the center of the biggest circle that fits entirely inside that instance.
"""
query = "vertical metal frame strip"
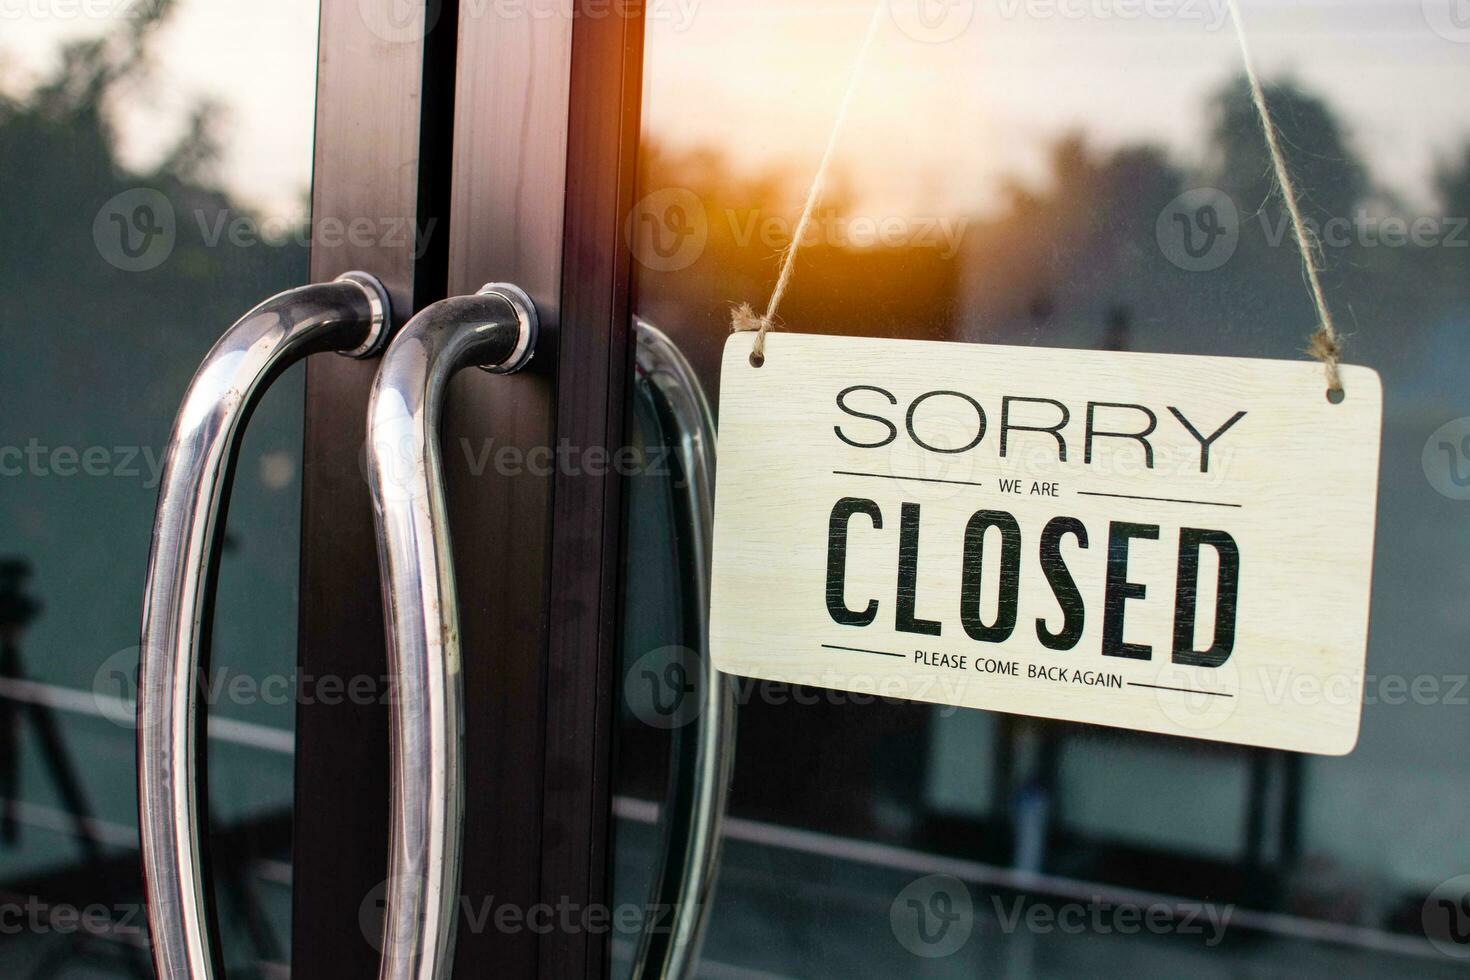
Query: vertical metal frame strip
(385, 92)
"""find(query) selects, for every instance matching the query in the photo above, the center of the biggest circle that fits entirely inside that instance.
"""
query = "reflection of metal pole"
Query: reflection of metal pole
(1119, 325)
(9, 743)
(702, 757)
(1256, 816)
(1292, 791)
(16, 612)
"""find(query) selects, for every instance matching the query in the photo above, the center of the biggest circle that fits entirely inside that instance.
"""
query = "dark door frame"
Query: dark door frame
(384, 112)
(522, 162)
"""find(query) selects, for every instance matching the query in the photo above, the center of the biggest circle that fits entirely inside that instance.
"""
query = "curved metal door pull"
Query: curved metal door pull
(495, 330)
(703, 753)
(351, 316)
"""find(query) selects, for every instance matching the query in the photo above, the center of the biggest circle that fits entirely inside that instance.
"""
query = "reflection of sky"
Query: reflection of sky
(934, 124)
(255, 57)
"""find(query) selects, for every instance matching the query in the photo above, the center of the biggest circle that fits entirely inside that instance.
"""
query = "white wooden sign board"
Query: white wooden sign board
(1173, 544)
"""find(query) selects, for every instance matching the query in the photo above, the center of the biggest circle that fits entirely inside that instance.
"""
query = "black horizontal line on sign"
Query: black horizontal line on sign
(917, 479)
(1181, 690)
(881, 653)
(1164, 500)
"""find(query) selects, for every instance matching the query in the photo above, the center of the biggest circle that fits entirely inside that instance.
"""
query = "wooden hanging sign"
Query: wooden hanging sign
(1167, 543)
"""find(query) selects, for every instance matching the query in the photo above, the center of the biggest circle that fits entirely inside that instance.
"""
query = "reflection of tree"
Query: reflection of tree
(1332, 180)
(1453, 183)
(120, 345)
(58, 155)
(1068, 256)
(1075, 259)
(881, 290)
(65, 120)
(95, 358)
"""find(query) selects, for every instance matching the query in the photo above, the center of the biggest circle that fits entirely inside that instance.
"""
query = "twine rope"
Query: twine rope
(744, 317)
(1326, 343)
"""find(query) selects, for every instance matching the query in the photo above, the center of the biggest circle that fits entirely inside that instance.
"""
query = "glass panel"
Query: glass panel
(155, 170)
(1009, 172)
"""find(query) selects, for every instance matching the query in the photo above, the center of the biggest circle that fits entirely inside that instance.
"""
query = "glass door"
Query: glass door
(156, 184)
(167, 166)
(1044, 174)
(1085, 176)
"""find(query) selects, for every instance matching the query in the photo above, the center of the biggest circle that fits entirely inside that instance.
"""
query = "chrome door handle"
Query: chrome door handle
(352, 316)
(495, 330)
(703, 754)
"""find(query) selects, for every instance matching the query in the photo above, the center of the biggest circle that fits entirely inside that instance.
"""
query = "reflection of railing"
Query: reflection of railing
(229, 731)
(703, 752)
(17, 610)
(103, 878)
(845, 851)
